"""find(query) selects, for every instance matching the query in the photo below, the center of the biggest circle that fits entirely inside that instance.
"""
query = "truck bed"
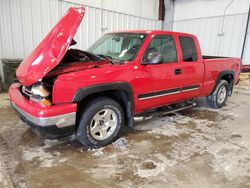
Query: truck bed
(214, 66)
(213, 57)
(228, 63)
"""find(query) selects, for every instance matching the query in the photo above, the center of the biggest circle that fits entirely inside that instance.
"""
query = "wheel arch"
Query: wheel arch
(227, 75)
(121, 92)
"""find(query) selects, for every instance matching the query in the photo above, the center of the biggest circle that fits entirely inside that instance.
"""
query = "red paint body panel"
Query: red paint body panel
(142, 78)
(78, 67)
(213, 67)
(150, 78)
(51, 50)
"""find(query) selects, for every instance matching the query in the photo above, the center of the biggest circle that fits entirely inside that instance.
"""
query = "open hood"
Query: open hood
(51, 50)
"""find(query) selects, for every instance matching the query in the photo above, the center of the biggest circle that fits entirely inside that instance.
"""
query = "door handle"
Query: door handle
(177, 71)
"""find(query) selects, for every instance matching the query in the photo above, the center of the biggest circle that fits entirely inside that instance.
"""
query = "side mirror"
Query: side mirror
(153, 58)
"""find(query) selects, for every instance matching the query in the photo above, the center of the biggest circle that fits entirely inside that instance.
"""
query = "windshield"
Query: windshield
(118, 46)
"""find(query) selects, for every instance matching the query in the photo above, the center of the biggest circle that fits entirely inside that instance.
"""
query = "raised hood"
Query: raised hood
(51, 50)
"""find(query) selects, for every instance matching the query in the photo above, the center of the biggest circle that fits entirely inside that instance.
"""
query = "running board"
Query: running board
(164, 111)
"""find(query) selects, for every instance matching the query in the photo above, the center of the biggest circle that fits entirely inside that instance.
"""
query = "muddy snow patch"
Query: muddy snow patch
(229, 159)
(4, 101)
(97, 152)
(120, 143)
(186, 120)
(169, 130)
(202, 108)
(166, 161)
(149, 168)
(1, 173)
(105, 167)
(3, 179)
(193, 139)
(44, 157)
(155, 166)
(178, 127)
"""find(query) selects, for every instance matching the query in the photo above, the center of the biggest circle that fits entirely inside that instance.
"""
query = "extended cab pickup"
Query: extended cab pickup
(94, 93)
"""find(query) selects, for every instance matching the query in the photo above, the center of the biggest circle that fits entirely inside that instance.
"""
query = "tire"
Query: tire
(100, 123)
(219, 97)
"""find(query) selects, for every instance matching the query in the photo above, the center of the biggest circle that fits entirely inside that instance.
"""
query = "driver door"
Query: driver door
(159, 84)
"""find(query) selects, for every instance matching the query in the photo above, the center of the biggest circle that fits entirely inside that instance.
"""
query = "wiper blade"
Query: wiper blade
(93, 56)
(106, 57)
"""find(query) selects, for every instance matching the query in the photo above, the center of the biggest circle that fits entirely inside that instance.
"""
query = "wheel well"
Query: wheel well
(120, 96)
(228, 77)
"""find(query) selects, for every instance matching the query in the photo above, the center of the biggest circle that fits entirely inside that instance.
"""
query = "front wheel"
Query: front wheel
(100, 123)
(219, 97)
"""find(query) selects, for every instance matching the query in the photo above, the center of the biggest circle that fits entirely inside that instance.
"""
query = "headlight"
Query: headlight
(40, 90)
(40, 94)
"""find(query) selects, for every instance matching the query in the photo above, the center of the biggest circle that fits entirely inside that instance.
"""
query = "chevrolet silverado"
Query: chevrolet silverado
(95, 93)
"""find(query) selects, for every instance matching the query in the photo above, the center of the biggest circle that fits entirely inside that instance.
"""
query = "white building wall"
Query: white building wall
(189, 9)
(24, 23)
(213, 39)
(142, 8)
(219, 25)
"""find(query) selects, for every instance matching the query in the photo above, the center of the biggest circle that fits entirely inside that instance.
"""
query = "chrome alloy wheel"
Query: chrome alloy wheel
(103, 124)
(222, 93)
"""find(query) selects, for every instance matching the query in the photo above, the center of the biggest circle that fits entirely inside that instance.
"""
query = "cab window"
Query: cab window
(189, 52)
(165, 45)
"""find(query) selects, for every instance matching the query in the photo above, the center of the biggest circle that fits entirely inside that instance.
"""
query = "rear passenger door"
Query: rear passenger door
(191, 66)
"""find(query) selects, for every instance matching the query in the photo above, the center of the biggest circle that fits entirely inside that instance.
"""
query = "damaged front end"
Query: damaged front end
(39, 93)
(32, 97)
(51, 50)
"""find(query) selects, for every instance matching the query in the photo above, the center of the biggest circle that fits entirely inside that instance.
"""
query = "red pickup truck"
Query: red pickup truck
(94, 93)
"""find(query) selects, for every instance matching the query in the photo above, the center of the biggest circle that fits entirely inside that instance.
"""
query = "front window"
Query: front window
(164, 45)
(118, 46)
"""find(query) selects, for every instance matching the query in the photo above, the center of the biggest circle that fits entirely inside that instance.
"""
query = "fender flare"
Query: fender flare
(120, 86)
(221, 74)
(84, 92)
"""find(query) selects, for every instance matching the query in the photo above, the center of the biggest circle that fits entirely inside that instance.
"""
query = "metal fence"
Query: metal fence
(219, 35)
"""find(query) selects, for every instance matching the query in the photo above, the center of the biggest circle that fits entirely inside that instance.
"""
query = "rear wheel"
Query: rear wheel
(100, 123)
(219, 96)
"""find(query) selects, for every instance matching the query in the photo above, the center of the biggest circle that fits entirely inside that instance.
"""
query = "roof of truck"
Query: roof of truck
(152, 32)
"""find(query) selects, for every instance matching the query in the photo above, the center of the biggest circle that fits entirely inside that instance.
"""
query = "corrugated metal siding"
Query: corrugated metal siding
(213, 39)
(23, 24)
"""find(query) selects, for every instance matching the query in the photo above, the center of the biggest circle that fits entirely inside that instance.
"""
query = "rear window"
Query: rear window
(188, 48)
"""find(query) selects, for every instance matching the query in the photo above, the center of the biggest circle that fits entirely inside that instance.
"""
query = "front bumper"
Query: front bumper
(53, 121)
